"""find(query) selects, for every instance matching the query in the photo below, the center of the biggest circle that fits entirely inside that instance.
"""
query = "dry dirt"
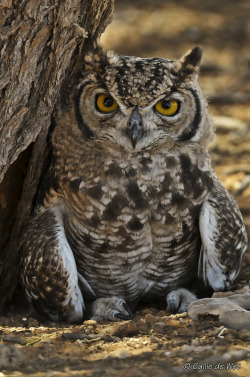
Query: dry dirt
(155, 342)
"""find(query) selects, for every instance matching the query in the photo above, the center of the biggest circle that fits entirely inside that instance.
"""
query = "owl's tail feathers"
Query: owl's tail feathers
(73, 312)
(55, 297)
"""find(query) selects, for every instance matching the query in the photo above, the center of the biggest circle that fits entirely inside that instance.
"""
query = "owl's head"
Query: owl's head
(137, 103)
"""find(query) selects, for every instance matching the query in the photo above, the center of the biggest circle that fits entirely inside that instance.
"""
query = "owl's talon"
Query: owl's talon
(122, 316)
(112, 309)
(179, 300)
(173, 301)
(127, 308)
(173, 308)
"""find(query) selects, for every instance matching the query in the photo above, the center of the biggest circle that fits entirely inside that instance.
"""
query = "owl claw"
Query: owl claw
(112, 309)
(173, 301)
(127, 308)
(128, 316)
(173, 308)
(179, 300)
(123, 316)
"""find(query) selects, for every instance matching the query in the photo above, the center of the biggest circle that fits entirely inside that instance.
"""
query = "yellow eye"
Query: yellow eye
(167, 108)
(105, 103)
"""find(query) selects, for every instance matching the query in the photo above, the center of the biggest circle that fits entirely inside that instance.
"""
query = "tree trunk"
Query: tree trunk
(41, 43)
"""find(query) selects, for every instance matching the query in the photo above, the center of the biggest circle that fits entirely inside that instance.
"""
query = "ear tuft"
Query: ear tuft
(192, 57)
(190, 62)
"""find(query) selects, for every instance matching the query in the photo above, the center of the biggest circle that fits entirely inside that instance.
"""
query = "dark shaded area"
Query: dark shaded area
(10, 193)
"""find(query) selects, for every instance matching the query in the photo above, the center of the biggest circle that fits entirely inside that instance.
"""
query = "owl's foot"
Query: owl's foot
(179, 300)
(112, 309)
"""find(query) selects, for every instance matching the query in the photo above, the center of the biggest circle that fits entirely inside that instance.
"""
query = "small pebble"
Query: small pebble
(10, 356)
(154, 339)
(162, 313)
(32, 322)
(149, 318)
(139, 345)
(90, 326)
(159, 327)
(90, 323)
(182, 322)
(123, 355)
(195, 342)
(245, 334)
(79, 341)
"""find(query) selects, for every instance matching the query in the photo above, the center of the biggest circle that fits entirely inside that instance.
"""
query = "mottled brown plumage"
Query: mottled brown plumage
(130, 207)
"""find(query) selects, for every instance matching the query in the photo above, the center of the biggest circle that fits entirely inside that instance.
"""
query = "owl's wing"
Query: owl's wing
(223, 236)
(48, 268)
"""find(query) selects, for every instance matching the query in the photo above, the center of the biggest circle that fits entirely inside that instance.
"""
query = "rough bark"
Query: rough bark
(41, 43)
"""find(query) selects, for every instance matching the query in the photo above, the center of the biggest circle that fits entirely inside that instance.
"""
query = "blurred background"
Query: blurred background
(168, 28)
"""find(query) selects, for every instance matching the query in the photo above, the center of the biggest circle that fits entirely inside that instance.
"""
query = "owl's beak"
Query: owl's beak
(135, 129)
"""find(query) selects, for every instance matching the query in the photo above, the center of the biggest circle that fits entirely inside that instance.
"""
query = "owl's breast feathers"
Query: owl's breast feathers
(136, 216)
(146, 188)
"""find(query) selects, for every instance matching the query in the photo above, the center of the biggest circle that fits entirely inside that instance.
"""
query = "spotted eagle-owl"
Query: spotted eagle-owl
(130, 206)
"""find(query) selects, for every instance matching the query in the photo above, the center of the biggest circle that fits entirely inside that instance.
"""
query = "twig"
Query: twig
(89, 338)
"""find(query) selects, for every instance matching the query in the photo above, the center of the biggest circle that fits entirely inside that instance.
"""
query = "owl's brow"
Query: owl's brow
(168, 92)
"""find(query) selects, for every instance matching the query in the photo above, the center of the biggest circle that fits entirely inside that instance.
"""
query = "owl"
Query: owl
(129, 207)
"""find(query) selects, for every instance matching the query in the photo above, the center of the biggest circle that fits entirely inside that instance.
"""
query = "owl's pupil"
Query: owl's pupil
(108, 101)
(166, 105)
